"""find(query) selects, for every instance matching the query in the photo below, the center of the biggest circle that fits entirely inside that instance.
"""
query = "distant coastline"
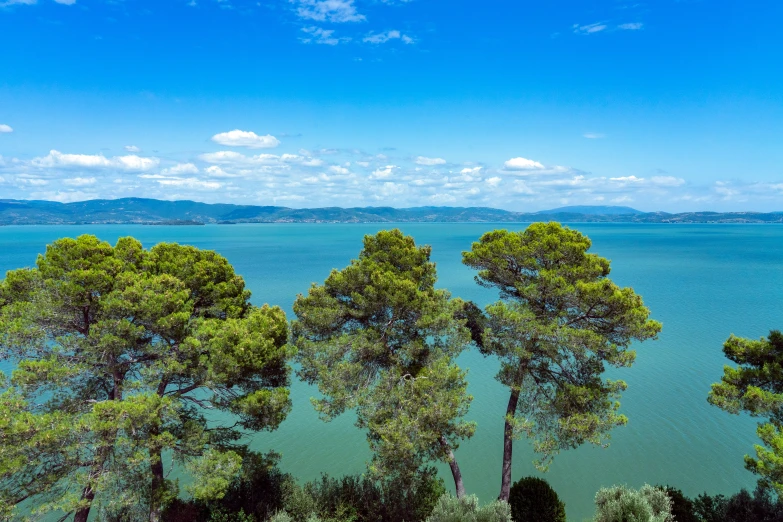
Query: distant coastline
(159, 212)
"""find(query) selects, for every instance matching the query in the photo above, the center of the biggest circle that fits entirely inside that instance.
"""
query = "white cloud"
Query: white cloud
(98, 161)
(181, 168)
(328, 10)
(235, 159)
(471, 170)
(192, 183)
(520, 187)
(35, 182)
(589, 28)
(421, 160)
(251, 140)
(635, 26)
(522, 164)
(229, 157)
(382, 173)
(379, 38)
(494, 181)
(322, 36)
(20, 2)
(339, 170)
(216, 172)
(64, 196)
(593, 135)
(627, 179)
(5, 128)
(667, 181)
(79, 182)
(132, 148)
(442, 198)
(302, 160)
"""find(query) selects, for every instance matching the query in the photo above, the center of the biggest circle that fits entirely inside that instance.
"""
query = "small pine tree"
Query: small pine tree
(532, 498)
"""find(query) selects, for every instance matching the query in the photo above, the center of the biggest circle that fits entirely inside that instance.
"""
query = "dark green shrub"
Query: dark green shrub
(532, 498)
(366, 500)
(683, 508)
(742, 507)
(257, 493)
(262, 490)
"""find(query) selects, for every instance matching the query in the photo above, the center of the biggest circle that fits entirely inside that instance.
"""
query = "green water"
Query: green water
(702, 281)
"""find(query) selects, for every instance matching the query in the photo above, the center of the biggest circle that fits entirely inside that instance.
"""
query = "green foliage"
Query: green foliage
(683, 509)
(742, 507)
(532, 498)
(755, 386)
(622, 504)
(213, 473)
(467, 509)
(220, 516)
(559, 323)
(117, 350)
(363, 499)
(378, 337)
(260, 491)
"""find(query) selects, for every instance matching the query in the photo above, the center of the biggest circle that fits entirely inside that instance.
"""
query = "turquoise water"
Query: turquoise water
(702, 281)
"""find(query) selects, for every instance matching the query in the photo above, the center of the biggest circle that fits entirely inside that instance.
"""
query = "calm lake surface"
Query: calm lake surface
(703, 282)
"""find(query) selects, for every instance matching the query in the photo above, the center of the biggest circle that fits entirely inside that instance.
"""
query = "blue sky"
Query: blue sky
(667, 105)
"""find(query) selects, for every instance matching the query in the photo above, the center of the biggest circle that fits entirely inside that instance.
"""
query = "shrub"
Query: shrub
(742, 507)
(683, 508)
(362, 499)
(622, 504)
(532, 498)
(467, 509)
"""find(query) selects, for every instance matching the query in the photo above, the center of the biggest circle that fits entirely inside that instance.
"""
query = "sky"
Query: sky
(671, 105)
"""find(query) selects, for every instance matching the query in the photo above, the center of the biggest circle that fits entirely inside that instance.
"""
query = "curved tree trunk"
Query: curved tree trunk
(455, 472)
(508, 446)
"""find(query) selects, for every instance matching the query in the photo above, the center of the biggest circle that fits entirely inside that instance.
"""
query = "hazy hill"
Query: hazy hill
(593, 210)
(152, 211)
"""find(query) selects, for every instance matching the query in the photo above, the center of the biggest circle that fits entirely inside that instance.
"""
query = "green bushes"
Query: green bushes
(741, 507)
(362, 499)
(682, 506)
(532, 498)
(262, 492)
(467, 509)
(622, 504)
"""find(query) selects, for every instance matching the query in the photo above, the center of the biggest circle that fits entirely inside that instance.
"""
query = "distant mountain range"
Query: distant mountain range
(157, 212)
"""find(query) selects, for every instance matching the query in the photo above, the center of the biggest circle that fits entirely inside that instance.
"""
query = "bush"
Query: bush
(532, 498)
(365, 500)
(683, 508)
(622, 504)
(466, 509)
(255, 494)
(742, 507)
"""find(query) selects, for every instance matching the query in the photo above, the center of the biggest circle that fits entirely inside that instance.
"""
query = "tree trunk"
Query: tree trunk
(158, 484)
(88, 493)
(156, 467)
(456, 473)
(82, 514)
(508, 446)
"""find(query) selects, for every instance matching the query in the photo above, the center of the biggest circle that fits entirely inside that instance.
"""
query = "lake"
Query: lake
(703, 282)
